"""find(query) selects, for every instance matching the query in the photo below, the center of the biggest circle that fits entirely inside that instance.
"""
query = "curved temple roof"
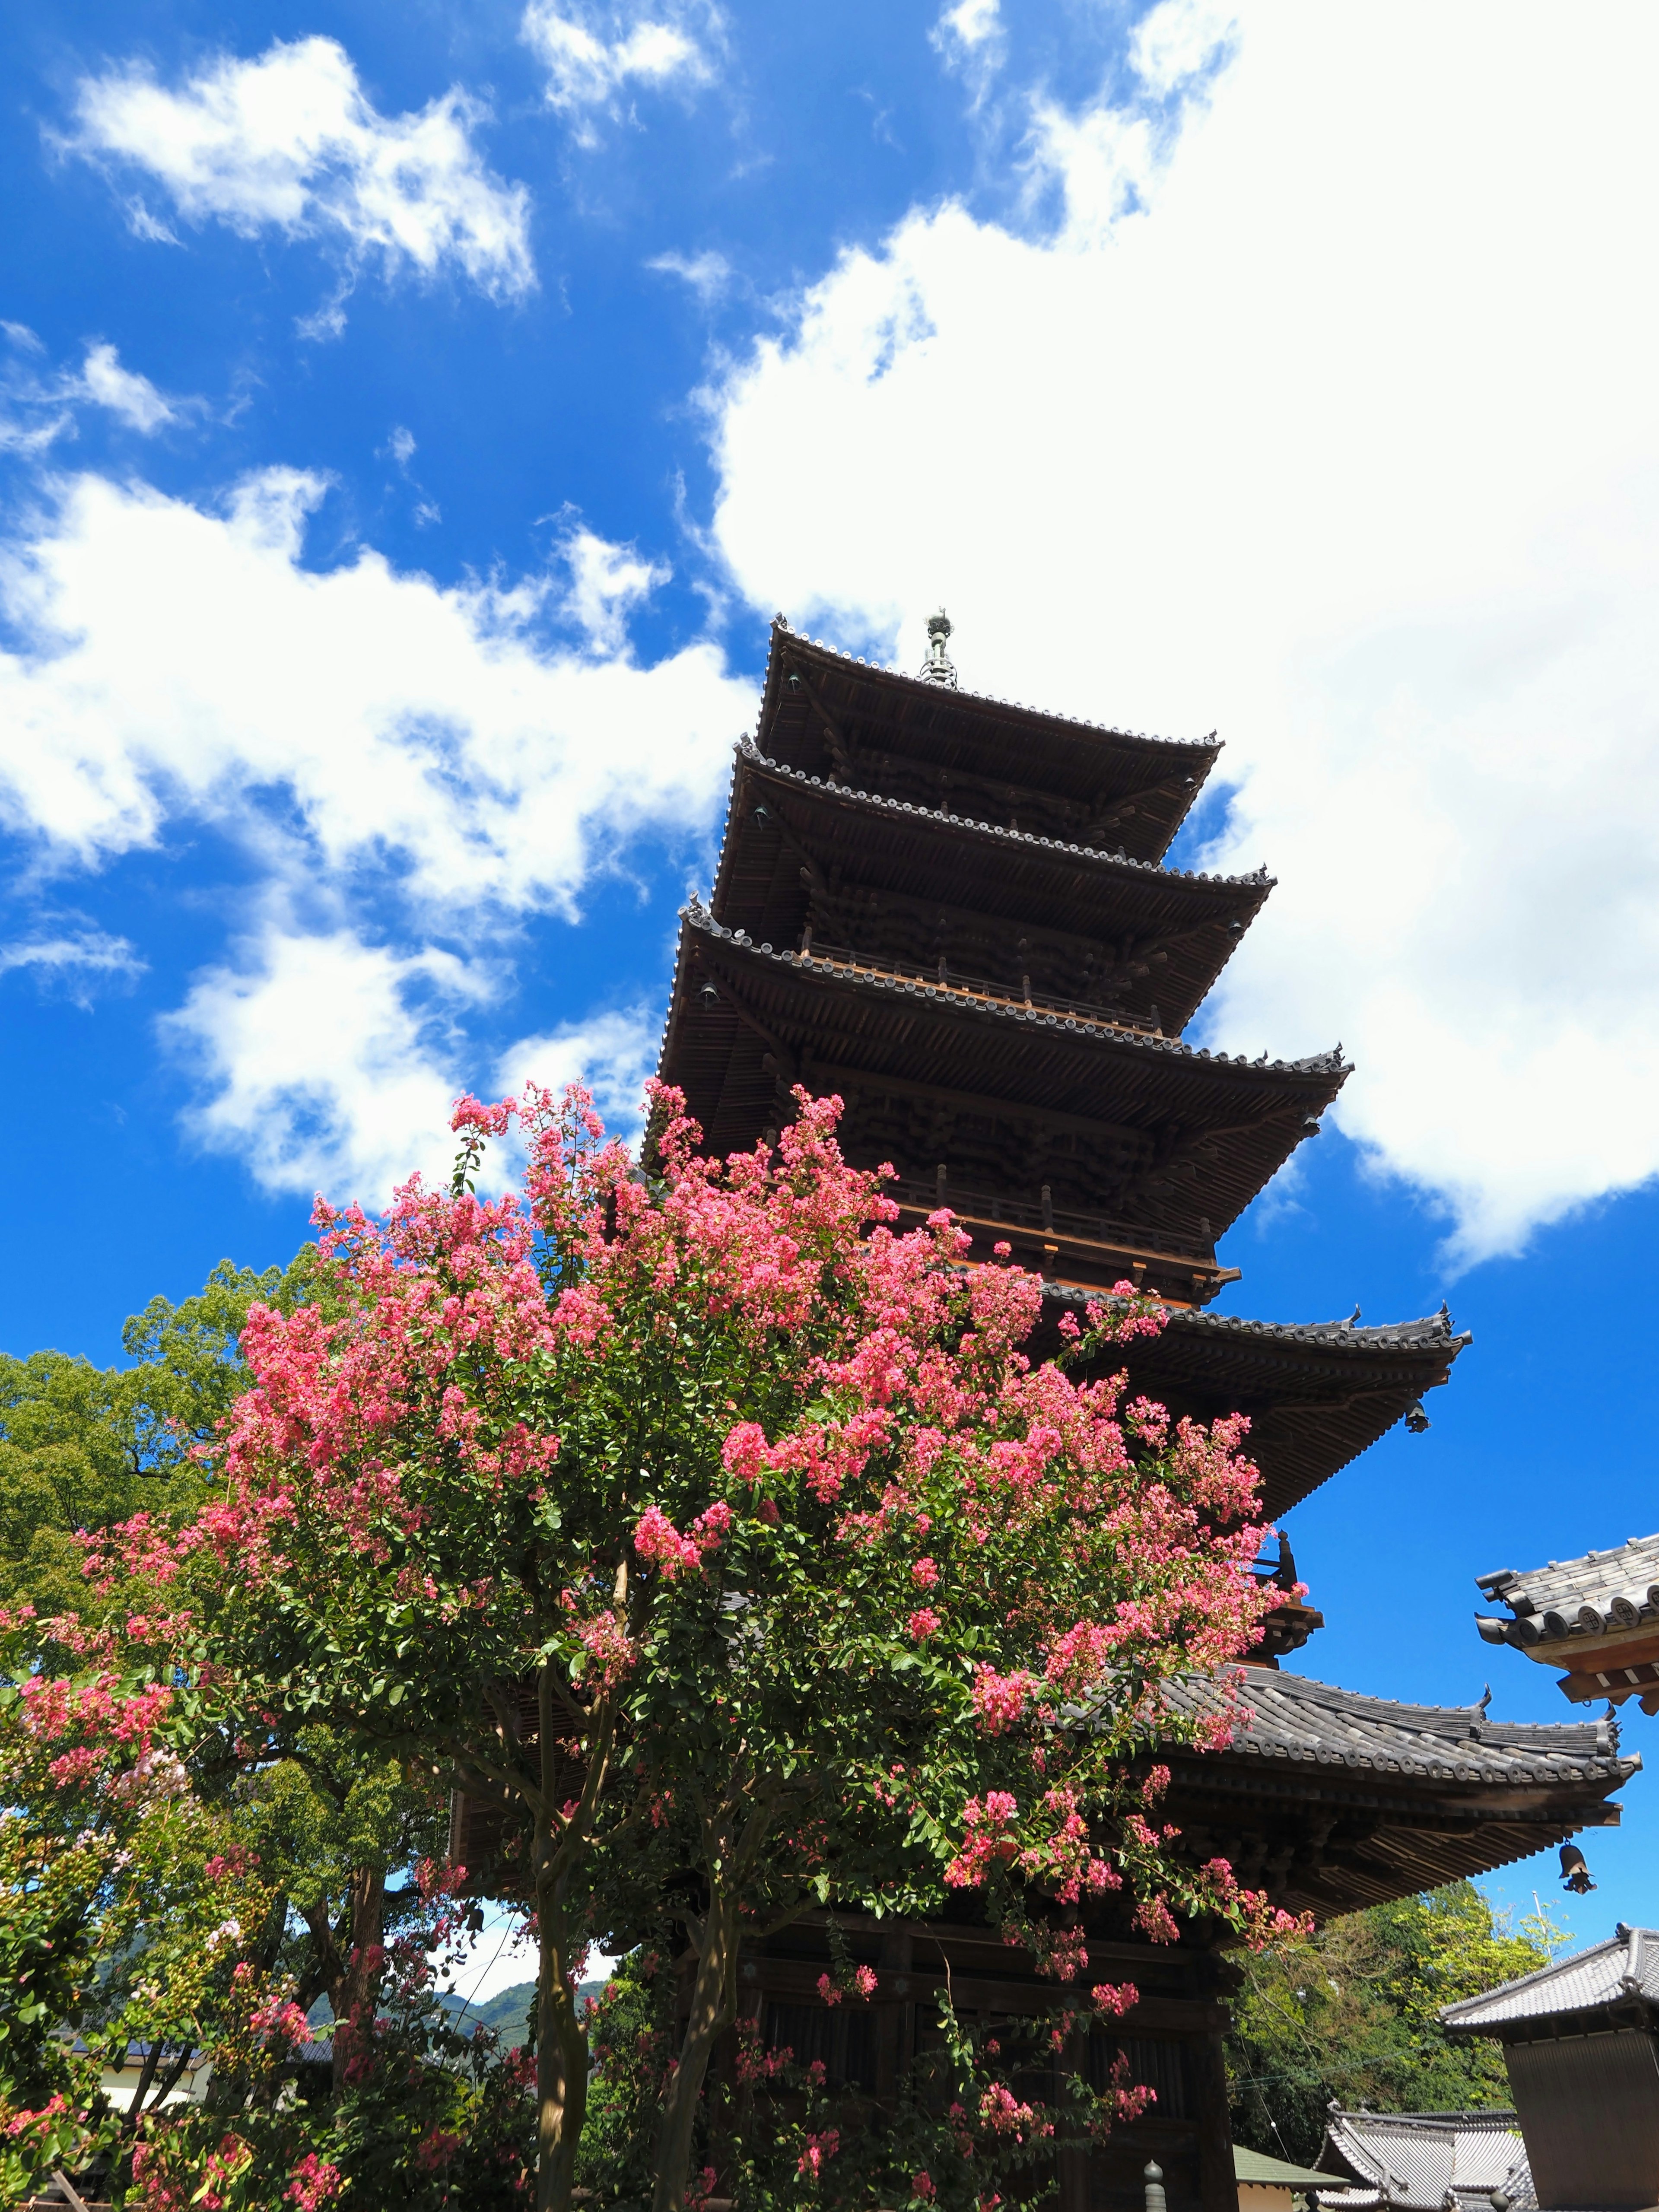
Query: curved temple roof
(1602, 1592)
(872, 726)
(1317, 1392)
(1331, 1801)
(1177, 1141)
(1598, 1616)
(1175, 930)
(1425, 2161)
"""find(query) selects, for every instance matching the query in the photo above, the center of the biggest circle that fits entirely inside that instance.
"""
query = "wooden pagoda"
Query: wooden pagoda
(954, 912)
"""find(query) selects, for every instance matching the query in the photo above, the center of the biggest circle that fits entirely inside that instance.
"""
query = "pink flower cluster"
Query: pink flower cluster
(280, 2019)
(820, 2148)
(660, 1544)
(988, 1840)
(861, 1984)
(1000, 1699)
(314, 2183)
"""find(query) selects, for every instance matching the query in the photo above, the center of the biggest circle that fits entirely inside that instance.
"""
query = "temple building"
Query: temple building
(1422, 2162)
(1581, 2044)
(955, 912)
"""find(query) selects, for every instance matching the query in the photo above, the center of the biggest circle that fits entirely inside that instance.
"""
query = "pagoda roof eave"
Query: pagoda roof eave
(1317, 1394)
(1407, 1796)
(1256, 886)
(1080, 753)
(1316, 1068)
(1190, 924)
(834, 1030)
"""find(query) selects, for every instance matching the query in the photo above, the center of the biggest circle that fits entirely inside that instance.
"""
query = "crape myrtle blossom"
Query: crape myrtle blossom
(616, 1494)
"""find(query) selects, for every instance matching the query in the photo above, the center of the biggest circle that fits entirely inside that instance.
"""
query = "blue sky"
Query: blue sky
(410, 420)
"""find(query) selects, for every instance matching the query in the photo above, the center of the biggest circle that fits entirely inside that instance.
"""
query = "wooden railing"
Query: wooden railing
(980, 987)
(1045, 1219)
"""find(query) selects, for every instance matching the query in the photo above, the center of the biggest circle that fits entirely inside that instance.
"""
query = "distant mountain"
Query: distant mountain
(509, 2011)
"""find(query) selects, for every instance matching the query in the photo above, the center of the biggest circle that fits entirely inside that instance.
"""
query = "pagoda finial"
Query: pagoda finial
(939, 668)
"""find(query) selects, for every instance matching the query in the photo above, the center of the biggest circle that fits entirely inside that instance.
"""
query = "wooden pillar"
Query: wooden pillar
(1072, 2165)
(1218, 2190)
(895, 2013)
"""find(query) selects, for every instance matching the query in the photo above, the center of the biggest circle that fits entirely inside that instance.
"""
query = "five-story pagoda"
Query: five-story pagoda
(953, 911)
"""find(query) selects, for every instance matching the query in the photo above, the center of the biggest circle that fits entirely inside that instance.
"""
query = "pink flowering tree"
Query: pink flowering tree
(730, 1540)
(128, 1911)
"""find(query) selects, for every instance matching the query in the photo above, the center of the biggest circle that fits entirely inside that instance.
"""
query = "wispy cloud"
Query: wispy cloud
(595, 56)
(969, 39)
(291, 143)
(709, 274)
(36, 411)
(72, 957)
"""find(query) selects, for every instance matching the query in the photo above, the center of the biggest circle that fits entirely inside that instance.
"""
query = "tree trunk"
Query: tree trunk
(710, 2009)
(561, 2055)
(354, 2011)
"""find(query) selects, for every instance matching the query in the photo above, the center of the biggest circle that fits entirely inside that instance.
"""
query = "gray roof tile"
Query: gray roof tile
(1410, 2160)
(1596, 1595)
(1290, 1716)
(1624, 1969)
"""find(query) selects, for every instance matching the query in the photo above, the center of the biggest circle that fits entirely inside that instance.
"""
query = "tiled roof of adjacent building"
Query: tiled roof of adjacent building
(1619, 1976)
(1596, 1595)
(1422, 2161)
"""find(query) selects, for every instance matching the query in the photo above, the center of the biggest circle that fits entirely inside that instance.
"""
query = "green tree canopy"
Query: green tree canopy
(1350, 2012)
(84, 1447)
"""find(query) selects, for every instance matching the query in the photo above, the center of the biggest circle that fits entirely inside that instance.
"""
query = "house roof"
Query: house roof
(1618, 1980)
(1272, 2173)
(1421, 2162)
(1596, 1595)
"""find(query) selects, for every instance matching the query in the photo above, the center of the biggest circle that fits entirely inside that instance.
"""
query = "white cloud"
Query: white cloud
(592, 55)
(74, 958)
(291, 143)
(1323, 415)
(612, 1052)
(36, 411)
(607, 583)
(969, 39)
(328, 1062)
(124, 392)
(708, 274)
(179, 664)
(1177, 40)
